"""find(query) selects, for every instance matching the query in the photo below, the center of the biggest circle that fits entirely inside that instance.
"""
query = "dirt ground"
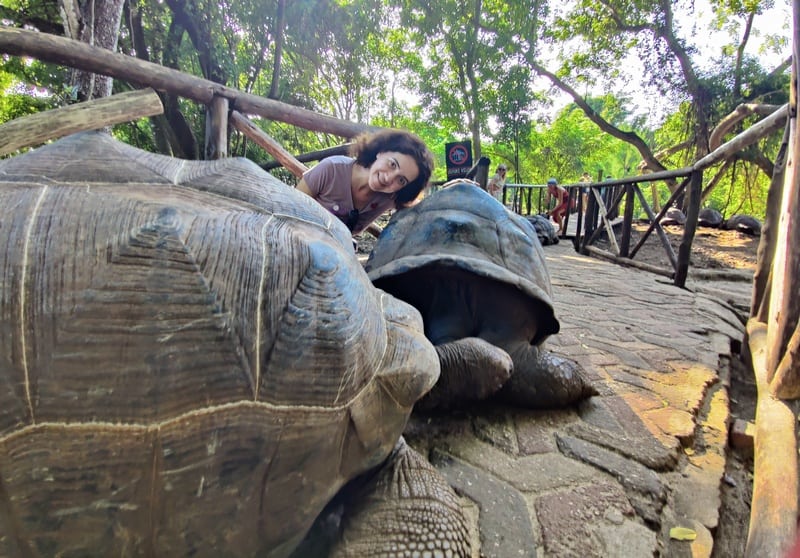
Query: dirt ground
(711, 248)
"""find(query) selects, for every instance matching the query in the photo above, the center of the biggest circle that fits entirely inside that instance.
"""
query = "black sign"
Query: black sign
(459, 158)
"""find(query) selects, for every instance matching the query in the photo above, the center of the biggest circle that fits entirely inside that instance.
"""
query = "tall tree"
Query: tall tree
(462, 69)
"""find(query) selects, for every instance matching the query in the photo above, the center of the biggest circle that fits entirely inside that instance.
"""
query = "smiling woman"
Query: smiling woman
(386, 170)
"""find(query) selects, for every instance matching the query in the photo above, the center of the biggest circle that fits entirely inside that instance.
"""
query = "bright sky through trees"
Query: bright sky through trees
(698, 30)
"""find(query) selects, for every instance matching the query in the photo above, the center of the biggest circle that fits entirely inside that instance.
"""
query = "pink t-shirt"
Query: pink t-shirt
(329, 182)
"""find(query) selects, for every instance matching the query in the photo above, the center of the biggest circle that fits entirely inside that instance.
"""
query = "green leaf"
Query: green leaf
(682, 534)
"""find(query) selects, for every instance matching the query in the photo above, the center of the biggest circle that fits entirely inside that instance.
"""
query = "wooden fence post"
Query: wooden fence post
(627, 222)
(217, 128)
(692, 212)
(35, 129)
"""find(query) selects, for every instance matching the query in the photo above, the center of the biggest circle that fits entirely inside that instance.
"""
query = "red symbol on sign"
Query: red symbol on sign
(458, 155)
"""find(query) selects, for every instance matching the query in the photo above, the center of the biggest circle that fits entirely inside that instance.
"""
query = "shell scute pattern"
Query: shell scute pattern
(191, 357)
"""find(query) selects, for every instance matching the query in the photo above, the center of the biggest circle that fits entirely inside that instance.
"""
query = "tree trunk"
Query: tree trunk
(96, 23)
(167, 138)
(276, 64)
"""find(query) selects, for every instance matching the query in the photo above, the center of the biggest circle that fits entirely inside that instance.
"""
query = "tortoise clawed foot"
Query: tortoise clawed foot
(547, 381)
(407, 504)
(472, 370)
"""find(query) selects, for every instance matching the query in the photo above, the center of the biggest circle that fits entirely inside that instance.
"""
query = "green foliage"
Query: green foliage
(446, 70)
(742, 191)
(573, 144)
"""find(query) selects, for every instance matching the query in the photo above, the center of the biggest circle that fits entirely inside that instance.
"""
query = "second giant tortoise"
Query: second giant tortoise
(709, 217)
(743, 223)
(193, 363)
(477, 273)
(545, 230)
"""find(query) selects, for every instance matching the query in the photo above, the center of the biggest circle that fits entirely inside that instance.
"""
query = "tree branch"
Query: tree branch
(632, 138)
(734, 117)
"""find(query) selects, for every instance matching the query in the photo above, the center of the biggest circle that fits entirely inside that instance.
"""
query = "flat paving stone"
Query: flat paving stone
(505, 525)
(573, 521)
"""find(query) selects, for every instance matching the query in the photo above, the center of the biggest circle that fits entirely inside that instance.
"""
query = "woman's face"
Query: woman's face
(392, 171)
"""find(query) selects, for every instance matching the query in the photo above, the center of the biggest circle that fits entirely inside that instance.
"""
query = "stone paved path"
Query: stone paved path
(612, 476)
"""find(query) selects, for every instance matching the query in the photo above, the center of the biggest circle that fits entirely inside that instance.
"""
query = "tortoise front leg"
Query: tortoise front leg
(543, 380)
(472, 370)
(406, 509)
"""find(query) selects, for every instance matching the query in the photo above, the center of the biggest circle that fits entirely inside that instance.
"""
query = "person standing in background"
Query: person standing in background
(497, 182)
(586, 178)
(561, 196)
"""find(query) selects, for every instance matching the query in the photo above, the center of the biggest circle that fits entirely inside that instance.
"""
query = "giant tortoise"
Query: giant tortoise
(477, 273)
(709, 217)
(545, 229)
(746, 224)
(193, 363)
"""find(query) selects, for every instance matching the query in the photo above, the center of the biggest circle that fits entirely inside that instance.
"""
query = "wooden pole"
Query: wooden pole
(595, 251)
(312, 156)
(38, 128)
(248, 128)
(217, 128)
(627, 222)
(689, 228)
(774, 347)
(785, 382)
(784, 304)
(612, 239)
(760, 129)
(75, 54)
(655, 224)
(759, 301)
(773, 506)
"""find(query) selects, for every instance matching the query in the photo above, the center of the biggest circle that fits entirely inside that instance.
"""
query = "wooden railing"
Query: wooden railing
(602, 215)
(219, 100)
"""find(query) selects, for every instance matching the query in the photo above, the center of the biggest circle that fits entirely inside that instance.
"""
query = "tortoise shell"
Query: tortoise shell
(462, 227)
(746, 224)
(192, 360)
(674, 216)
(545, 230)
(709, 217)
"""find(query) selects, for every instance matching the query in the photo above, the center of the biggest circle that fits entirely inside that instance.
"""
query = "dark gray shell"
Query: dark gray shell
(463, 227)
(709, 217)
(743, 223)
(192, 360)
(545, 230)
(673, 216)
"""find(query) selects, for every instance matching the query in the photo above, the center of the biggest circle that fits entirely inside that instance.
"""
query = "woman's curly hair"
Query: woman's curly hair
(365, 149)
